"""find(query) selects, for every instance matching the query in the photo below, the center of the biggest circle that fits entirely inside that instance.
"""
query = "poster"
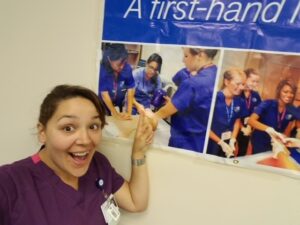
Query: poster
(222, 77)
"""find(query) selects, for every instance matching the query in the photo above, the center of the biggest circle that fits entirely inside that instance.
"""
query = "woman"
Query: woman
(115, 80)
(57, 184)
(272, 118)
(190, 105)
(229, 109)
(147, 82)
(252, 99)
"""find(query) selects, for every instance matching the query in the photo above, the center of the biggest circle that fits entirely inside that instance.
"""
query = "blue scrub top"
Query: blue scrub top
(116, 88)
(193, 101)
(269, 115)
(144, 89)
(294, 111)
(252, 101)
(180, 76)
(224, 118)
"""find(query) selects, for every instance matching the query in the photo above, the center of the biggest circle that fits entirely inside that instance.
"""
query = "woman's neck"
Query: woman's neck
(281, 106)
(247, 93)
(69, 180)
(205, 64)
(228, 96)
(227, 93)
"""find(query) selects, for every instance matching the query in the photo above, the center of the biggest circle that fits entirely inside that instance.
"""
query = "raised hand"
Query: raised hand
(144, 134)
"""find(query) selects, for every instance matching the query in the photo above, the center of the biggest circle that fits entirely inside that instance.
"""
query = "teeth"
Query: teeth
(79, 154)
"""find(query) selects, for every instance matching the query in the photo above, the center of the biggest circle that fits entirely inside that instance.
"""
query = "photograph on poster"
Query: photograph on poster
(173, 84)
(257, 109)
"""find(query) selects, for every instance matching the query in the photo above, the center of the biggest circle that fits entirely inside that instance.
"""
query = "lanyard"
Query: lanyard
(229, 112)
(248, 101)
(115, 87)
(280, 118)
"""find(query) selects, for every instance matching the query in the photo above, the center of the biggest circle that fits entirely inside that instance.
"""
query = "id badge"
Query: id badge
(226, 135)
(111, 211)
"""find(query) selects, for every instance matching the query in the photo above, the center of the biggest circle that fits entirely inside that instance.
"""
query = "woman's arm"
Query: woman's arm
(236, 128)
(214, 137)
(107, 100)
(227, 149)
(288, 130)
(130, 97)
(133, 195)
(253, 122)
(137, 105)
(164, 112)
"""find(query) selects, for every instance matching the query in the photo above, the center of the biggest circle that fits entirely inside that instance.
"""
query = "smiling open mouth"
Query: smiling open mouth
(79, 155)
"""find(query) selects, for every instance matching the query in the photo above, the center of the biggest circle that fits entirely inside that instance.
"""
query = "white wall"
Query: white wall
(186, 189)
(44, 43)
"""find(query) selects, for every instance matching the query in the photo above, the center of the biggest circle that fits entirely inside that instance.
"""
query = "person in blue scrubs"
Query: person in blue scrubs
(115, 80)
(252, 99)
(272, 118)
(147, 82)
(180, 76)
(228, 111)
(190, 105)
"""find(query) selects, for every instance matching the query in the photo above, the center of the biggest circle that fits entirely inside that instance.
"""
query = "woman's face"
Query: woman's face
(151, 69)
(117, 65)
(236, 85)
(252, 82)
(71, 137)
(286, 94)
(190, 61)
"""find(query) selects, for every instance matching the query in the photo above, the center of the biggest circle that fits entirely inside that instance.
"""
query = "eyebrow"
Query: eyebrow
(75, 117)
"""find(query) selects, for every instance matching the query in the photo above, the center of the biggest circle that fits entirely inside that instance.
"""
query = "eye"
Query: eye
(68, 128)
(95, 126)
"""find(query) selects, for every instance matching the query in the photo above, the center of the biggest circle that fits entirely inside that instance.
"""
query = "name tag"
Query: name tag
(111, 211)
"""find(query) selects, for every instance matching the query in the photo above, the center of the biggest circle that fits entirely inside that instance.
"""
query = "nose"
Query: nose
(83, 137)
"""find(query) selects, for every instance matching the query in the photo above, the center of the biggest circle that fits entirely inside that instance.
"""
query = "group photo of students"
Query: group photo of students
(174, 85)
(252, 98)
(257, 108)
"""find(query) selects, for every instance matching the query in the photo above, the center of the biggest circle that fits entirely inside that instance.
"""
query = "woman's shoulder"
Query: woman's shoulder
(101, 159)
(268, 104)
(17, 166)
(138, 72)
(16, 173)
(127, 67)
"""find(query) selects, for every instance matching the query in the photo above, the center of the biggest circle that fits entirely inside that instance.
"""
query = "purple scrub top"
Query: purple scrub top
(30, 193)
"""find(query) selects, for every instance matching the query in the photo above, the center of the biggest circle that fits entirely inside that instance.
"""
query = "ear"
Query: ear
(41, 133)
(226, 82)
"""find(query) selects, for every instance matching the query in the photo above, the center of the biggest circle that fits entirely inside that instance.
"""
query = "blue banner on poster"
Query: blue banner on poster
(246, 24)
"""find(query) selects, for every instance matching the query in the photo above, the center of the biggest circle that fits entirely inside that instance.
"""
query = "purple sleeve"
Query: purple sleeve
(261, 107)
(180, 76)
(129, 81)
(183, 96)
